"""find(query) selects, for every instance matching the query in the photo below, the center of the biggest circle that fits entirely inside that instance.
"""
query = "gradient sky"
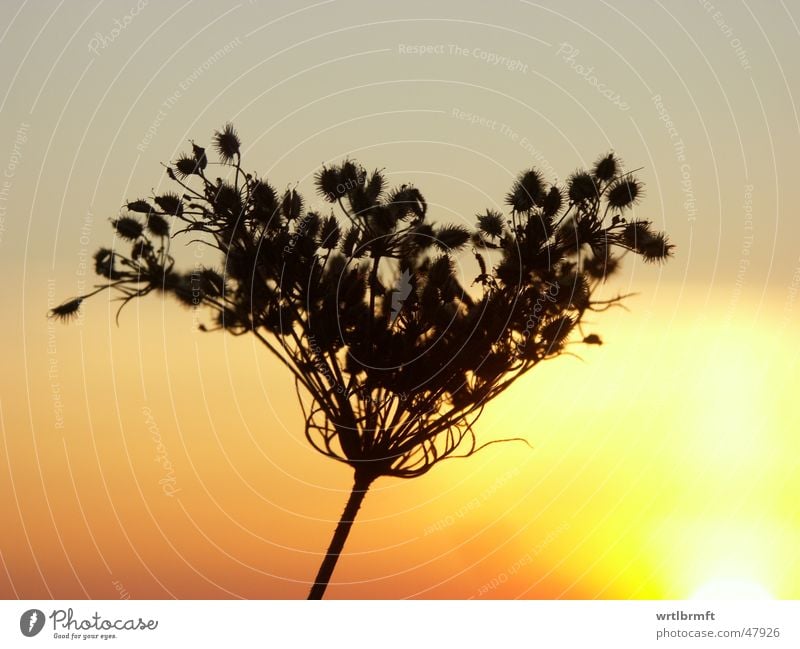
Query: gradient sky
(664, 463)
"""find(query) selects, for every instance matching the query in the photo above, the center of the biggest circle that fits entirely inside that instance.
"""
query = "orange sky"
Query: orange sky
(662, 461)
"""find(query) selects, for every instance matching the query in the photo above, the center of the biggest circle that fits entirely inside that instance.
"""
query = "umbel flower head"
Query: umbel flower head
(394, 355)
(391, 385)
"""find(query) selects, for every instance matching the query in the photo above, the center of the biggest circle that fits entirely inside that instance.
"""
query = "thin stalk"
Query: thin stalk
(361, 485)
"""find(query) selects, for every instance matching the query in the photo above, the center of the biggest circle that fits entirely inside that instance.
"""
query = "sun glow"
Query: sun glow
(732, 588)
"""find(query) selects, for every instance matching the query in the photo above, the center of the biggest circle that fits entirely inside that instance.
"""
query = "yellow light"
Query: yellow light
(732, 589)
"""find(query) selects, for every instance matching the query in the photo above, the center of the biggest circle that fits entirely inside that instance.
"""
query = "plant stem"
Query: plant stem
(361, 485)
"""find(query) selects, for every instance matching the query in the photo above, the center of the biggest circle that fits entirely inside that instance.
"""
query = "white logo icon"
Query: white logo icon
(400, 294)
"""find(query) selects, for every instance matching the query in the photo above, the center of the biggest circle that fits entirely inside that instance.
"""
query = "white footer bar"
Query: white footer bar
(400, 624)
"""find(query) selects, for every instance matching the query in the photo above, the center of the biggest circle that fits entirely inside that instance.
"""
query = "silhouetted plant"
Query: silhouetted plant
(393, 358)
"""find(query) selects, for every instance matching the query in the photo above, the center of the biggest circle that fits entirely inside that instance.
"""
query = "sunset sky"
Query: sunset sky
(151, 460)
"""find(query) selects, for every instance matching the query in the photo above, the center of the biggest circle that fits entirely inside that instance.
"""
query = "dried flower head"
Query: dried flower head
(492, 223)
(186, 166)
(139, 206)
(128, 228)
(657, 248)
(292, 205)
(157, 225)
(330, 233)
(606, 168)
(170, 203)
(374, 188)
(67, 310)
(449, 238)
(351, 175)
(227, 143)
(635, 234)
(553, 200)
(200, 157)
(328, 185)
(624, 192)
(582, 187)
(265, 202)
(526, 192)
(104, 264)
